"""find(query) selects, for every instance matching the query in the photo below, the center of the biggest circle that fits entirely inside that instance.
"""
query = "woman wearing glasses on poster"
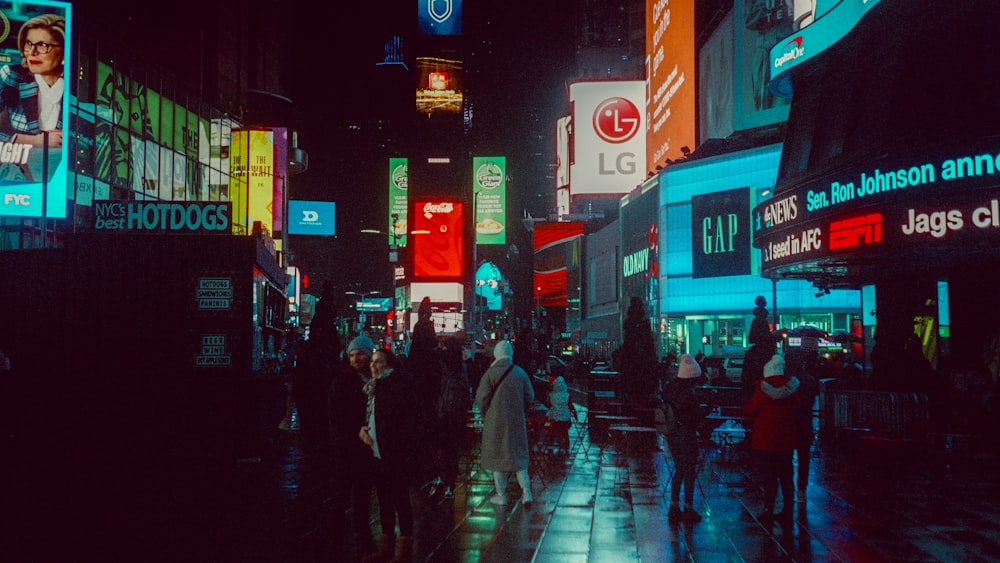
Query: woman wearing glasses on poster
(31, 92)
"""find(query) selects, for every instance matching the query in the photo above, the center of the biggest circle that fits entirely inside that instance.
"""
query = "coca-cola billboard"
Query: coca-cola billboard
(437, 240)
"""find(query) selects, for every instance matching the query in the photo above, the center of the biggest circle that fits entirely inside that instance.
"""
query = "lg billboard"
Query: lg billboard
(610, 136)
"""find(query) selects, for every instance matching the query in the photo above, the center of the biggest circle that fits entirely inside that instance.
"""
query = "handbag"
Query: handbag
(493, 388)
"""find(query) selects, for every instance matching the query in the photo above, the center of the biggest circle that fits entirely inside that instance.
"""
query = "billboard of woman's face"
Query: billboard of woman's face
(488, 278)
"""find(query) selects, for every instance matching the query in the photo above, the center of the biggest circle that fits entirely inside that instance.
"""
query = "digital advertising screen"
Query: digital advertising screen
(439, 17)
(398, 202)
(759, 26)
(609, 134)
(552, 243)
(489, 193)
(640, 245)
(671, 87)
(439, 86)
(256, 181)
(941, 199)
(34, 48)
(437, 249)
(312, 218)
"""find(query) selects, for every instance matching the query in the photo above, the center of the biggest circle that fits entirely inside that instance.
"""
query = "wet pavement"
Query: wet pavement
(602, 501)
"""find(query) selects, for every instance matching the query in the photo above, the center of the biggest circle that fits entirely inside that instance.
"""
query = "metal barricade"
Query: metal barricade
(902, 415)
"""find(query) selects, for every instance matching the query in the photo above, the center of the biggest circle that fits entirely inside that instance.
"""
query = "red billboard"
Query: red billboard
(437, 240)
(552, 244)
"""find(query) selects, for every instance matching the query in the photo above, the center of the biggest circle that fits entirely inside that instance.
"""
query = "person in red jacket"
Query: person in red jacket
(772, 408)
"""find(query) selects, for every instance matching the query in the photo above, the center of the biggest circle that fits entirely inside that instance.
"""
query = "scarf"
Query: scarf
(369, 390)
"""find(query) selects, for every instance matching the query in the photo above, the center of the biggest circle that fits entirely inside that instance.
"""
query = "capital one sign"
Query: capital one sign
(609, 137)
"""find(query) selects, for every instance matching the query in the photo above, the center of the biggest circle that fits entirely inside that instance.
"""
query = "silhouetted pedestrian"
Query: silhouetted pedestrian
(772, 408)
(353, 460)
(683, 441)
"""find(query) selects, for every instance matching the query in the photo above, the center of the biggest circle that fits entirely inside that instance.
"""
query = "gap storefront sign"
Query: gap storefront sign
(720, 229)
(163, 218)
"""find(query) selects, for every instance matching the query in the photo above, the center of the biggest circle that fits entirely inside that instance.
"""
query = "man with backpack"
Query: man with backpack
(678, 419)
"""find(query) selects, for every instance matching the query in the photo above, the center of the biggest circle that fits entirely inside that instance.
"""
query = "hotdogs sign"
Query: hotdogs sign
(163, 217)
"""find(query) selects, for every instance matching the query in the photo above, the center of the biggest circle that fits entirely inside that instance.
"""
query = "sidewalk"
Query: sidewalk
(599, 504)
(603, 502)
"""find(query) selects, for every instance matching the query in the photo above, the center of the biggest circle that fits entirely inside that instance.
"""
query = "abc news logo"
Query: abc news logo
(18, 200)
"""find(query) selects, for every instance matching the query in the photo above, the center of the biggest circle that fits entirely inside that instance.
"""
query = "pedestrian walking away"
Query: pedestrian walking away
(503, 396)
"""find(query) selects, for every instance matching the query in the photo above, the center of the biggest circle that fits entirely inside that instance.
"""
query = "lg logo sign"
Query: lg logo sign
(23, 200)
(616, 121)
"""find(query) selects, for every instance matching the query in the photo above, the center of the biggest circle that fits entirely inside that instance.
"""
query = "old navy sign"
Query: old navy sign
(163, 217)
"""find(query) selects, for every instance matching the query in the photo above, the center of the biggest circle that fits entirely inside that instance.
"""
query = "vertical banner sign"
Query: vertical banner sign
(609, 134)
(278, 185)
(437, 255)
(398, 184)
(489, 194)
(251, 179)
(34, 176)
(670, 81)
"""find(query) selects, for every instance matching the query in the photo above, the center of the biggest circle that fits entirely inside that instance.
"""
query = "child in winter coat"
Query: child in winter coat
(561, 412)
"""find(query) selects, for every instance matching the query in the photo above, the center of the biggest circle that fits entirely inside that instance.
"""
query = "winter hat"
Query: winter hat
(688, 369)
(774, 366)
(503, 351)
(362, 343)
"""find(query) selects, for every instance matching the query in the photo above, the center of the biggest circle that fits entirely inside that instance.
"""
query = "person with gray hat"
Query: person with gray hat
(346, 407)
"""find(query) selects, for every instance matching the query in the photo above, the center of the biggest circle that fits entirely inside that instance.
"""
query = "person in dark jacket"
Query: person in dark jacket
(390, 432)
(772, 409)
(346, 403)
(683, 442)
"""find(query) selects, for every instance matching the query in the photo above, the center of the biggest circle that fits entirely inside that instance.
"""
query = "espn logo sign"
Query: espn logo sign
(856, 231)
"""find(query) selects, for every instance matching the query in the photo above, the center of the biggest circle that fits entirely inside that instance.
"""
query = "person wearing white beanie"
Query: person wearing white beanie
(683, 441)
(503, 395)
(772, 408)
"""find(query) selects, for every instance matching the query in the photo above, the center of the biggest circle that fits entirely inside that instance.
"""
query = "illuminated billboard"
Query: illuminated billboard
(563, 158)
(33, 157)
(146, 141)
(439, 17)
(446, 305)
(312, 218)
(552, 246)
(759, 26)
(437, 250)
(257, 162)
(671, 87)
(609, 137)
(715, 83)
(439, 86)
(939, 198)
(398, 186)
(489, 193)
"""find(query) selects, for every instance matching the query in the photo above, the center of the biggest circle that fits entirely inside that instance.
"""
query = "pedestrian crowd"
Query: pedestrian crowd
(396, 424)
